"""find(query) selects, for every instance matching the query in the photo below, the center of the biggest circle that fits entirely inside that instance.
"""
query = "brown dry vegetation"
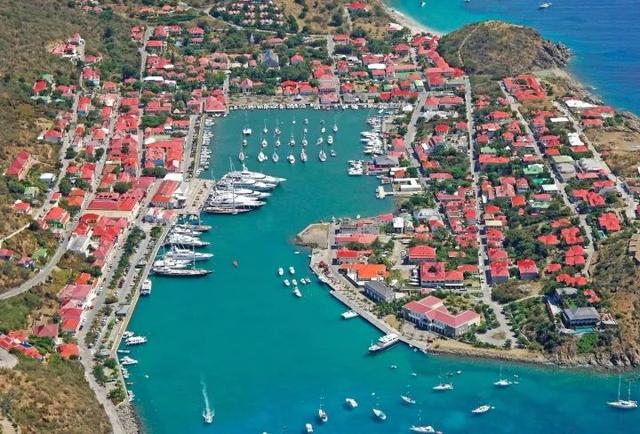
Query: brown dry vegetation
(52, 398)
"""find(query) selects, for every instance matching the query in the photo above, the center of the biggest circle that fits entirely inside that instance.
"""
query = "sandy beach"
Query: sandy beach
(408, 22)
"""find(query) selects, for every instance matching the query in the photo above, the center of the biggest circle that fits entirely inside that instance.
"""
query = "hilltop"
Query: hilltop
(500, 49)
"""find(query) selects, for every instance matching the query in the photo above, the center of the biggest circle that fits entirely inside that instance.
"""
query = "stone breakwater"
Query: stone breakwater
(129, 418)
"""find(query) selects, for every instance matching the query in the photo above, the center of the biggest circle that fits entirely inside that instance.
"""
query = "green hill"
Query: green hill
(500, 49)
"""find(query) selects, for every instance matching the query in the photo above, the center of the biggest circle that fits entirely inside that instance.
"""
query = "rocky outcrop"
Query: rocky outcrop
(500, 49)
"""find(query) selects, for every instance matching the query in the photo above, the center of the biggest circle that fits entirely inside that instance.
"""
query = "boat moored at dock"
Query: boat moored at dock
(385, 342)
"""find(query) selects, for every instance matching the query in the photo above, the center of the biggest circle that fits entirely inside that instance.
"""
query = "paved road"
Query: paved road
(482, 253)
(629, 200)
(560, 186)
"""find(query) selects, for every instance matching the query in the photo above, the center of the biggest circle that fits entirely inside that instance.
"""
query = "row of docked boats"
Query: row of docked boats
(262, 155)
(356, 168)
(372, 140)
(180, 258)
(241, 191)
(300, 105)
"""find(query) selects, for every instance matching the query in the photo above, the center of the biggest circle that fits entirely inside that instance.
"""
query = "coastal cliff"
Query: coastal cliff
(500, 49)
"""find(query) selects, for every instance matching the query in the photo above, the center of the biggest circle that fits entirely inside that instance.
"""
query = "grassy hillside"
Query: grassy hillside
(499, 49)
(28, 31)
(52, 398)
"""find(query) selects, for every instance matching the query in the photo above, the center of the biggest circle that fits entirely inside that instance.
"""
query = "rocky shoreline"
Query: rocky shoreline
(129, 418)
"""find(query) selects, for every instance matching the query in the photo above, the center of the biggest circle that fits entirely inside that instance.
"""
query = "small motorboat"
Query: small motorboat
(294, 282)
(544, 5)
(296, 292)
(235, 263)
(308, 428)
(280, 271)
(482, 409)
(291, 159)
(322, 415)
(292, 270)
(350, 403)
(286, 282)
(379, 414)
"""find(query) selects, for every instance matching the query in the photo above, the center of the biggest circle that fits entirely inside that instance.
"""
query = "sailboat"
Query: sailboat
(303, 156)
(246, 130)
(275, 157)
(292, 140)
(207, 414)
(265, 130)
(422, 428)
(335, 126)
(502, 382)
(241, 155)
(277, 130)
(406, 398)
(264, 142)
(623, 404)
(329, 139)
(305, 142)
(291, 159)
(442, 386)
(261, 157)
(322, 156)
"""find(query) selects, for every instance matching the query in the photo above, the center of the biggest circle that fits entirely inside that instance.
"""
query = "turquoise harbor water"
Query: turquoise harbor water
(603, 35)
(268, 359)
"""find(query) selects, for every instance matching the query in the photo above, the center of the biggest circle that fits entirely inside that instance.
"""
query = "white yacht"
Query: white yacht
(502, 382)
(291, 159)
(422, 429)
(296, 292)
(443, 387)
(379, 414)
(329, 139)
(280, 271)
(384, 342)
(349, 314)
(246, 131)
(294, 282)
(623, 404)
(544, 5)
(135, 340)
(322, 415)
(482, 409)
(207, 413)
(308, 428)
(145, 289)
(351, 403)
(126, 360)
(292, 270)
(179, 254)
(286, 282)
(407, 399)
(322, 156)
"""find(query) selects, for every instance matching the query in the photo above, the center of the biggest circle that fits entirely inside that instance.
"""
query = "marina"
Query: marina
(308, 335)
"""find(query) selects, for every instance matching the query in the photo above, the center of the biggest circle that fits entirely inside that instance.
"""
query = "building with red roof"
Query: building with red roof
(609, 222)
(528, 269)
(434, 275)
(20, 165)
(421, 253)
(430, 313)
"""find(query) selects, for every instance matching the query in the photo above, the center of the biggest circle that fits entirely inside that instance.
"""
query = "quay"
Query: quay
(419, 340)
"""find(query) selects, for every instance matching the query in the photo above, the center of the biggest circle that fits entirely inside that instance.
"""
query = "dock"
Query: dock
(199, 190)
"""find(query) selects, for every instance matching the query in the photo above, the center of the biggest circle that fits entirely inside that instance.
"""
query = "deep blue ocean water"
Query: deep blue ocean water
(604, 35)
(269, 359)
